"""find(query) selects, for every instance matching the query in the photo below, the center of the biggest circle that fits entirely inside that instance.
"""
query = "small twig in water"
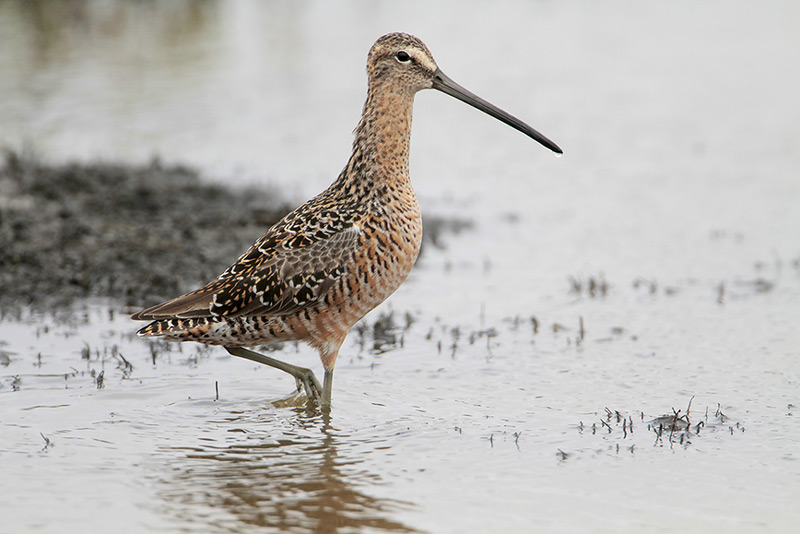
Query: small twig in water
(688, 408)
(47, 442)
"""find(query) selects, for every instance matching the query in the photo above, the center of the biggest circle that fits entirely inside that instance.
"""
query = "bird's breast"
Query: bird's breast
(391, 235)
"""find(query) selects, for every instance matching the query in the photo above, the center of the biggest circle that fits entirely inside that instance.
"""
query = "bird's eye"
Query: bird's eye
(403, 57)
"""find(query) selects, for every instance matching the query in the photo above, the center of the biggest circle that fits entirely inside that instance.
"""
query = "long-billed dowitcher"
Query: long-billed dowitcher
(325, 265)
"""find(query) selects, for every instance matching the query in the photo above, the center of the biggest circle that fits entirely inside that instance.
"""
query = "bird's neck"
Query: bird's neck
(381, 145)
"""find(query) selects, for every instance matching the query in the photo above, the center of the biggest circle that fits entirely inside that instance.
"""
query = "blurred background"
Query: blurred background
(676, 120)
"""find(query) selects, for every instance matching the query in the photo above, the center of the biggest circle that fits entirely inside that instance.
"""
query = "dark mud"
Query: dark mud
(137, 234)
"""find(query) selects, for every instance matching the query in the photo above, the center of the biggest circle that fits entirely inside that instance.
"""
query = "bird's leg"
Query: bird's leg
(302, 375)
(327, 387)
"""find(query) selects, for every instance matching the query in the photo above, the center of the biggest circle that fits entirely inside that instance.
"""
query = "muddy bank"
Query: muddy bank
(129, 232)
(133, 233)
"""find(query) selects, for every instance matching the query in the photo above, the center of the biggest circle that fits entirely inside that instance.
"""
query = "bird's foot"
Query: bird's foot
(308, 382)
(303, 376)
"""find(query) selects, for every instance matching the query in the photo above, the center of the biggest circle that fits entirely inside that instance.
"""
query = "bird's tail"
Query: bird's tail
(178, 329)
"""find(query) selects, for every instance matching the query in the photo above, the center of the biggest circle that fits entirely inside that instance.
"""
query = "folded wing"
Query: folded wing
(278, 275)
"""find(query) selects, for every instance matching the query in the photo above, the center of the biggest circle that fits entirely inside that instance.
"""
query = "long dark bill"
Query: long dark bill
(443, 83)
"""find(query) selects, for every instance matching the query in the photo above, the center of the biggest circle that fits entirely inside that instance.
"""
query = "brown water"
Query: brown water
(669, 230)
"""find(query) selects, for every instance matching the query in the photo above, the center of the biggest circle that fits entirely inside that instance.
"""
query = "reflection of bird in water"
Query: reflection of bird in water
(312, 478)
(325, 265)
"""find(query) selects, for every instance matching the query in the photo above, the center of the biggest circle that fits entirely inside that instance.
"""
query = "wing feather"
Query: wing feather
(278, 275)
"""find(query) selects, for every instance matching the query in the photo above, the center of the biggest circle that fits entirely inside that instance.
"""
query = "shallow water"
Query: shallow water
(669, 230)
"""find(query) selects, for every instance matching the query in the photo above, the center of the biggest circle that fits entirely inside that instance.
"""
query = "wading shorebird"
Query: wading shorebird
(326, 264)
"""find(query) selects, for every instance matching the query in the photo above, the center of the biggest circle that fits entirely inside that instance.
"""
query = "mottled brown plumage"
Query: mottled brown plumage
(325, 265)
